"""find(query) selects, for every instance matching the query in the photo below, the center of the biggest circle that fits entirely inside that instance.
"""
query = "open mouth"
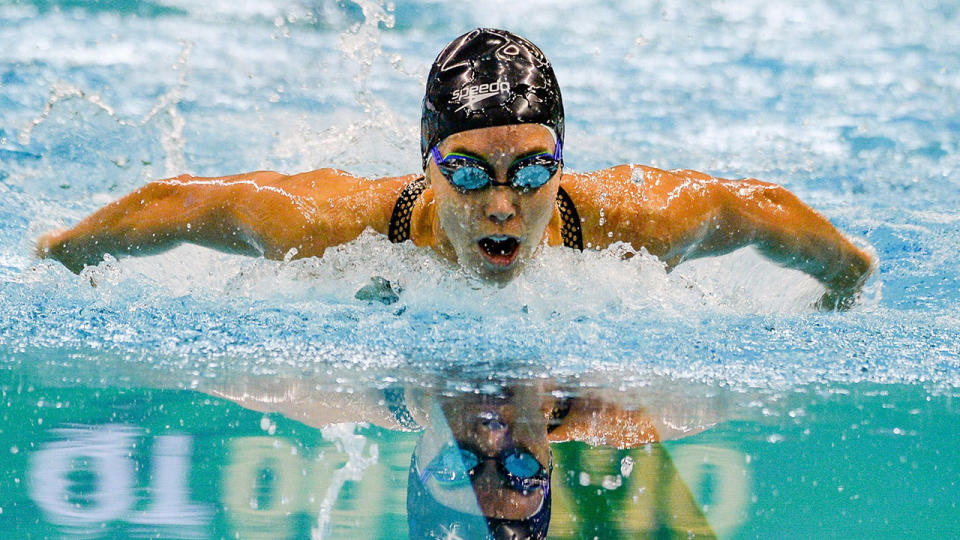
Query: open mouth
(499, 250)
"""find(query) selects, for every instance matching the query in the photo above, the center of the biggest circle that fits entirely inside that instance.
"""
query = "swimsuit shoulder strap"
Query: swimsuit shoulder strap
(400, 219)
(570, 229)
(397, 403)
(561, 408)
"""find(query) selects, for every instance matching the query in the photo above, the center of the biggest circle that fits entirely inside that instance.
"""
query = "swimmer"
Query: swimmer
(492, 192)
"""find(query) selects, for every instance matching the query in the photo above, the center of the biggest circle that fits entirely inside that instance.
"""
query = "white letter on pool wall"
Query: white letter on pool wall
(171, 514)
(727, 470)
(101, 452)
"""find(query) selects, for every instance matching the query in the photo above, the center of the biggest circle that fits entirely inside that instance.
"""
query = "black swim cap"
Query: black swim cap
(487, 78)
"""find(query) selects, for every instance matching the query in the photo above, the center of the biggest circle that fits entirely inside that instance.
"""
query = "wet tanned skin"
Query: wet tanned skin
(518, 418)
(674, 215)
(520, 421)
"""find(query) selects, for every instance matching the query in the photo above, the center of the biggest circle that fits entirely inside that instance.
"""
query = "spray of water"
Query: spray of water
(167, 104)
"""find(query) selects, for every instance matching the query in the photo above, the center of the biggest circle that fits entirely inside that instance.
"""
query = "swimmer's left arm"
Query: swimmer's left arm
(683, 215)
(788, 232)
(601, 423)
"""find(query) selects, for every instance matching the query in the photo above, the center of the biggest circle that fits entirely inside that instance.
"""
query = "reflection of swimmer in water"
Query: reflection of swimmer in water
(482, 462)
(493, 190)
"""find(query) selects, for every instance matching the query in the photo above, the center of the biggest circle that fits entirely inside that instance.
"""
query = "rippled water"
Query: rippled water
(853, 106)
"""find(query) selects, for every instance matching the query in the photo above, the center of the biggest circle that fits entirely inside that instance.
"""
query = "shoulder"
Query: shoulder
(338, 181)
(641, 205)
(599, 422)
(636, 186)
(622, 181)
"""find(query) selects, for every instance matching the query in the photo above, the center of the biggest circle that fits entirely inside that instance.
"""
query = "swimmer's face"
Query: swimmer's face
(495, 230)
(491, 425)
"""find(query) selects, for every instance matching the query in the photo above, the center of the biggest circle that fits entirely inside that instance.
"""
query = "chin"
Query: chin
(500, 276)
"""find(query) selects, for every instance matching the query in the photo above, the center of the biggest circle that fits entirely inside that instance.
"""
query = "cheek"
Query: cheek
(455, 215)
(539, 210)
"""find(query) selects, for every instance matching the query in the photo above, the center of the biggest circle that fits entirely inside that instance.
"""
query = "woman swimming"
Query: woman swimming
(492, 192)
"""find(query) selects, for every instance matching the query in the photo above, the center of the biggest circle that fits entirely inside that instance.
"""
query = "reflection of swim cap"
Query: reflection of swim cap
(428, 518)
(487, 78)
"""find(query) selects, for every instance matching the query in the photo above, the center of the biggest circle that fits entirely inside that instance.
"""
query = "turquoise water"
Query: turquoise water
(827, 425)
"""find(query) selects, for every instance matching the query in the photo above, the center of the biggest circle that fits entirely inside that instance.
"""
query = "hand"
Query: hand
(46, 242)
(837, 300)
(50, 246)
(846, 288)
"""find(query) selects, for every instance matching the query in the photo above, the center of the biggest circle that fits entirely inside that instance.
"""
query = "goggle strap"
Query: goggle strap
(424, 474)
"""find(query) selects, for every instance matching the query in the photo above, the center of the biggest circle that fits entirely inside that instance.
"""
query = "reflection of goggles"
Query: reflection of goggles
(455, 466)
(428, 518)
(467, 173)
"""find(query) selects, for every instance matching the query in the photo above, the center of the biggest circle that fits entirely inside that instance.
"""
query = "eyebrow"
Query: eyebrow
(462, 152)
(466, 154)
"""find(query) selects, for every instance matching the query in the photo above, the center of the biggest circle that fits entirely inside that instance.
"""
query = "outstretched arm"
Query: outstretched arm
(680, 215)
(300, 400)
(261, 213)
(792, 234)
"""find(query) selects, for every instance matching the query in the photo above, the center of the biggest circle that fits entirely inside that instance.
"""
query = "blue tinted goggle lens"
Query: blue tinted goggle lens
(454, 466)
(522, 465)
(469, 178)
(468, 173)
(532, 176)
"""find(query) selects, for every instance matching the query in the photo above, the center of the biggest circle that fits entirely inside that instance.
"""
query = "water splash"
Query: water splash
(362, 43)
(172, 140)
(353, 445)
(867, 137)
(350, 142)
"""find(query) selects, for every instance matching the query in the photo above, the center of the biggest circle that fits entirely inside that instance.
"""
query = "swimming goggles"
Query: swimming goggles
(456, 466)
(468, 173)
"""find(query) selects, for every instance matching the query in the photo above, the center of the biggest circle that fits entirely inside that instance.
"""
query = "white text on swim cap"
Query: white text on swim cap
(469, 95)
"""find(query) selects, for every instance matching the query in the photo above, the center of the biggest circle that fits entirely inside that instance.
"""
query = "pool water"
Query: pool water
(810, 424)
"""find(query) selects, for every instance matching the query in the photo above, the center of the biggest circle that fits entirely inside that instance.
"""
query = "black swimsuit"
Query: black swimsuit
(400, 219)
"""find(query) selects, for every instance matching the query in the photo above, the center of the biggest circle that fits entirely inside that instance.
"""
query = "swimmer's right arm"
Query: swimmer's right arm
(258, 214)
(152, 219)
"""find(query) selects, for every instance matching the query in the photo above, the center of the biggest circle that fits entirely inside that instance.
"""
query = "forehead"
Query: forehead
(525, 425)
(510, 139)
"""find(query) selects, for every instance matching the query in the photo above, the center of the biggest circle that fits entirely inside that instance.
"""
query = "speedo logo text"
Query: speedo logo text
(468, 95)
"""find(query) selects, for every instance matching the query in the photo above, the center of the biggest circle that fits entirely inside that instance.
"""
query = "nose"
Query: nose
(500, 205)
(491, 432)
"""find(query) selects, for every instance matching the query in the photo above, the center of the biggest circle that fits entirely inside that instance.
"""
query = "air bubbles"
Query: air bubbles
(268, 425)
